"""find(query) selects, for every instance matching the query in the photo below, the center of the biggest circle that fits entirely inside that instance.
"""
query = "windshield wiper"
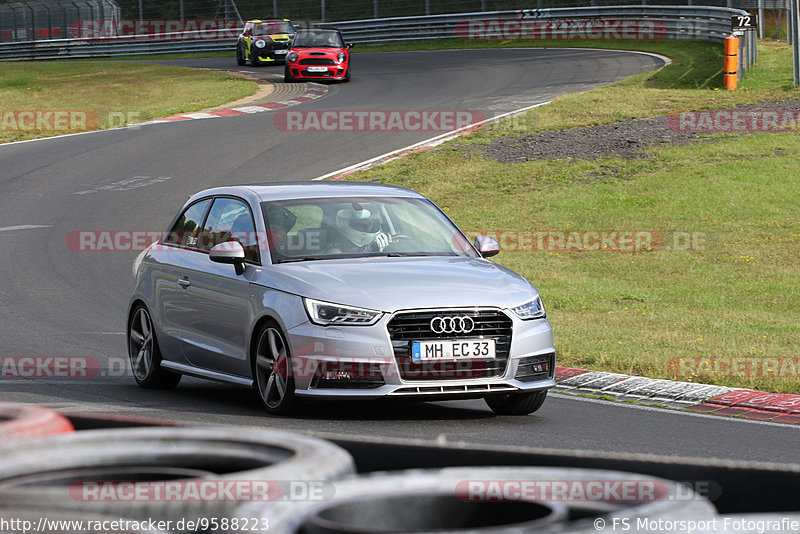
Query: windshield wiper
(303, 258)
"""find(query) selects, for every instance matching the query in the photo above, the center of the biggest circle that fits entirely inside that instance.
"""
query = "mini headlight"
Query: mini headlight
(326, 313)
(533, 309)
(341, 57)
(292, 56)
(260, 43)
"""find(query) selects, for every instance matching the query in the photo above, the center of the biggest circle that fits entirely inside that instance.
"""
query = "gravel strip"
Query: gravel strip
(624, 139)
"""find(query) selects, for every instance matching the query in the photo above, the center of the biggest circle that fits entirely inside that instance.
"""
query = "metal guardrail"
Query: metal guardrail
(665, 22)
(614, 22)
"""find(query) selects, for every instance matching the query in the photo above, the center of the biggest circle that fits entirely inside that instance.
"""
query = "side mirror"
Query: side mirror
(350, 45)
(486, 245)
(230, 252)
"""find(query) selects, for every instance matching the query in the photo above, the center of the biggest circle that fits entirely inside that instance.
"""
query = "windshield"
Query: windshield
(354, 227)
(317, 38)
(272, 28)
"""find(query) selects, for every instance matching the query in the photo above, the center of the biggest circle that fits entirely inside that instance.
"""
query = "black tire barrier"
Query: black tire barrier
(28, 421)
(166, 473)
(443, 501)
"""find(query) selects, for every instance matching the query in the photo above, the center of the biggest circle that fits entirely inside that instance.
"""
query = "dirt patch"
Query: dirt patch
(625, 139)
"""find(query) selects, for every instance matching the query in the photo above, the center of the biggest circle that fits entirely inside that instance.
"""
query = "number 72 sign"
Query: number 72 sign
(741, 23)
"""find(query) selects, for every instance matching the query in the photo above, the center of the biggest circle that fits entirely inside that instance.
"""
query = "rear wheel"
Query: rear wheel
(516, 403)
(240, 55)
(272, 371)
(144, 353)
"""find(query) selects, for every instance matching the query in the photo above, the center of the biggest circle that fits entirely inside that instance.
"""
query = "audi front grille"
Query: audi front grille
(407, 327)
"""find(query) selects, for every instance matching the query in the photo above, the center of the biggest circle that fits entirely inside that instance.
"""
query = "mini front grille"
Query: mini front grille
(407, 327)
(317, 61)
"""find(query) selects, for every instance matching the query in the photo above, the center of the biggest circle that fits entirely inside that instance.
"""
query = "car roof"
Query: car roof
(270, 191)
(319, 30)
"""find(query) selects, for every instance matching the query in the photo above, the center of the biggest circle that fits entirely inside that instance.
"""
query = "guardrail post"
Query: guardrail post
(731, 65)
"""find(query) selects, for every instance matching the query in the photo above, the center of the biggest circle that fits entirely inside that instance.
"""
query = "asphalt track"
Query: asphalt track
(59, 302)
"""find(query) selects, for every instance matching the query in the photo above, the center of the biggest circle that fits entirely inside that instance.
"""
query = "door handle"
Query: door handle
(184, 282)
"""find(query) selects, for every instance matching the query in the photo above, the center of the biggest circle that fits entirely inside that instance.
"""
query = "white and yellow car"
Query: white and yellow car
(264, 41)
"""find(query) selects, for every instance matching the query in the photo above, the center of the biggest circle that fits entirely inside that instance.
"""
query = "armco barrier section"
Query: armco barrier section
(578, 23)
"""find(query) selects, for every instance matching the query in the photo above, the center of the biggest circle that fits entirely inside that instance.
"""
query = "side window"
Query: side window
(186, 231)
(230, 220)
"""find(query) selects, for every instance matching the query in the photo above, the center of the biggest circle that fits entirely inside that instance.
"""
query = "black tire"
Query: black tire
(48, 470)
(240, 56)
(287, 77)
(347, 75)
(255, 61)
(439, 500)
(144, 354)
(516, 403)
(272, 371)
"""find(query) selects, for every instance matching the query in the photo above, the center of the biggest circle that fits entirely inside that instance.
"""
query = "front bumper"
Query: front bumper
(361, 362)
(276, 52)
(331, 72)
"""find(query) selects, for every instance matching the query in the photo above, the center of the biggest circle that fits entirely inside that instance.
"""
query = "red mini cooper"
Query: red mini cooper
(318, 54)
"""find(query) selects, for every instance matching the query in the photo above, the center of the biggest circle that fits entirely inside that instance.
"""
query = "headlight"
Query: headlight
(326, 313)
(292, 56)
(260, 43)
(533, 309)
(341, 57)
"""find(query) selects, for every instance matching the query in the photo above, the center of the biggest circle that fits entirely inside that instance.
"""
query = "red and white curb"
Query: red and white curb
(702, 398)
(313, 92)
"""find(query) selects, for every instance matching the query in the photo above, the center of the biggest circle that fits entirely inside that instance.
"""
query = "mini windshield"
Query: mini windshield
(272, 28)
(317, 38)
(352, 227)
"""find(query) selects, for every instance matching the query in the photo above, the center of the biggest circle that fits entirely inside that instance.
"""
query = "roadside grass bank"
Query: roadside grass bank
(714, 298)
(81, 96)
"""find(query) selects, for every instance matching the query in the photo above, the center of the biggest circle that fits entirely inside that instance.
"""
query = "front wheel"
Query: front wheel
(254, 59)
(347, 75)
(516, 403)
(240, 56)
(287, 77)
(272, 367)
(144, 353)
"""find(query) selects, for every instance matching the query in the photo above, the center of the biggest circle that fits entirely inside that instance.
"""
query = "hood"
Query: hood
(391, 284)
(318, 52)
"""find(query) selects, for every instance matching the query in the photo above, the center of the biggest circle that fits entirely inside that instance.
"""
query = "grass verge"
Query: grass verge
(721, 309)
(82, 96)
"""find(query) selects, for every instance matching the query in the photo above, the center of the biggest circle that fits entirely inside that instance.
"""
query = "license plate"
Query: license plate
(452, 349)
(280, 52)
(317, 69)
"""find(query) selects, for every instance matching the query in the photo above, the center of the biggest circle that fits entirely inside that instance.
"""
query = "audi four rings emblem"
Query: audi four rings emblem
(452, 325)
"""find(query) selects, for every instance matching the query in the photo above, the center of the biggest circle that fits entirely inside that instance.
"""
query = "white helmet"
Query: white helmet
(358, 225)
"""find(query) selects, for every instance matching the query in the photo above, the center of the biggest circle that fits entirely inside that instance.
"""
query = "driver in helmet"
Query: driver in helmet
(357, 230)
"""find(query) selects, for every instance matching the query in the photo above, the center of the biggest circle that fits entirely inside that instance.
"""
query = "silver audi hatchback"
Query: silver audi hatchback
(336, 290)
